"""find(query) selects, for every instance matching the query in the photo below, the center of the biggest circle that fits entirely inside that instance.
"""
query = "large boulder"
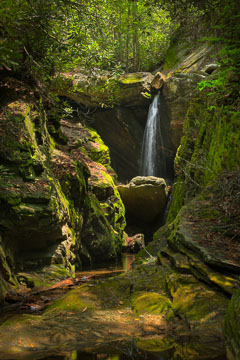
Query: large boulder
(144, 198)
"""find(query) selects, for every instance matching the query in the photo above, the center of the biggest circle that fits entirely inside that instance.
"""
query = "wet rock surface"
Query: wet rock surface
(122, 130)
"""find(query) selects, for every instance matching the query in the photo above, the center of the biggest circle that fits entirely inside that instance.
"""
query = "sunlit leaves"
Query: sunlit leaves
(66, 34)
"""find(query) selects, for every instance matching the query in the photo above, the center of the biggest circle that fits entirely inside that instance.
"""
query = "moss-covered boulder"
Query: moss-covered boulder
(150, 302)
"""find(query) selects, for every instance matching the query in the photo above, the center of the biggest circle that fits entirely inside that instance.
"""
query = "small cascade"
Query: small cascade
(153, 159)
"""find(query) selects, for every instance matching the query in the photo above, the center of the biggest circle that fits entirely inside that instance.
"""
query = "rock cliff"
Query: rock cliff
(58, 202)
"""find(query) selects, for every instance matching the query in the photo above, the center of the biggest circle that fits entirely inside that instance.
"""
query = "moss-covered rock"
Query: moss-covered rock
(186, 56)
(73, 301)
(44, 199)
(177, 94)
(152, 303)
(103, 90)
(104, 212)
(232, 327)
(208, 146)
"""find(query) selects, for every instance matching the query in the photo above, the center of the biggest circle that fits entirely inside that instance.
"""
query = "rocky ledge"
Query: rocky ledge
(103, 90)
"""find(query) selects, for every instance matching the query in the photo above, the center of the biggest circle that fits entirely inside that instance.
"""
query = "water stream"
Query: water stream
(96, 341)
(153, 158)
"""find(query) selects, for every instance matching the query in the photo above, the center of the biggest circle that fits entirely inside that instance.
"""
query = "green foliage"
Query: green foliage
(39, 37)
(117, 35)
(28, 37)
(226, 37)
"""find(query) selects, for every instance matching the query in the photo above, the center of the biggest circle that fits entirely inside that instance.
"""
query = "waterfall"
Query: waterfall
(153, 159)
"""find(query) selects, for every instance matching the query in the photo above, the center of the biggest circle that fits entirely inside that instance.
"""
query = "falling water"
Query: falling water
(153, 160)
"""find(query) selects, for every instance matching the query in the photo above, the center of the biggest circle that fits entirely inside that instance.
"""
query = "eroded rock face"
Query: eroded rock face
(50, 194)
(122, 130)
(177, 93)
(144, 198)
(185, 57)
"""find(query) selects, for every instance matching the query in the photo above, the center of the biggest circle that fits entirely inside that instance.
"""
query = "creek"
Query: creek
(105, 327)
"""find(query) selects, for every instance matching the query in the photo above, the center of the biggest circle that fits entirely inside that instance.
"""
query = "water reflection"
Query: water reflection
(127, 261)
(106, 270)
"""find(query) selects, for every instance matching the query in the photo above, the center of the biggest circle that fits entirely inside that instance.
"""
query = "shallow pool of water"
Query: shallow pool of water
(96, 342)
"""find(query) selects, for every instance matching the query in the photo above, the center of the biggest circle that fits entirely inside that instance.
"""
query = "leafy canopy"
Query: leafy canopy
(42, 36)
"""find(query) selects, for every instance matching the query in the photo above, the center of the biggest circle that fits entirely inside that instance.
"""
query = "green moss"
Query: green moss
(209, 213)
(176, 53)
(131, 78)
(19, 320)
(155, 345)
(232, 327)
(150, 302)
(177, 199)
(96, 150)
(193, 300)
(71, 302)
(110, 233)
(209, 146)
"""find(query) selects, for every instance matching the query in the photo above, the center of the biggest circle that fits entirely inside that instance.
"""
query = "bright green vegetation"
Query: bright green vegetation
(152, 303)
(119, 36)
(72, 301)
